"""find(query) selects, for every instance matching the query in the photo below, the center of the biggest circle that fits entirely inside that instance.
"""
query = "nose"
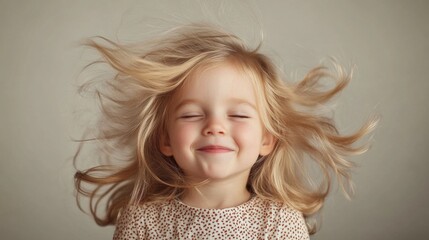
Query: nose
(214, 127)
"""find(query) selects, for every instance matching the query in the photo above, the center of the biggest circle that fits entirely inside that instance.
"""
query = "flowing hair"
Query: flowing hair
(134, 108)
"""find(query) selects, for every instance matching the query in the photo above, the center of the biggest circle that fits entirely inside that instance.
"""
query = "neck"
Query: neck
(216, 194)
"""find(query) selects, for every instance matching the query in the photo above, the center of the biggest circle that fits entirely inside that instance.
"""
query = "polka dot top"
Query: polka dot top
(254, 219)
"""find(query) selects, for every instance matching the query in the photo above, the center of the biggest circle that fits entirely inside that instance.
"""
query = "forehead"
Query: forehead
(217, 82)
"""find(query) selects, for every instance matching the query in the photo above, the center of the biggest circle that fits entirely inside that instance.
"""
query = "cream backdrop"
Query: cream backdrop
(388, 40)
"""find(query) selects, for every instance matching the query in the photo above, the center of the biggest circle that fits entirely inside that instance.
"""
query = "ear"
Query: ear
(267, 145)
(164, 146)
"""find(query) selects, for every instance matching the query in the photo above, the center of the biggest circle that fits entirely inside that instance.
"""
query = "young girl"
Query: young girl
(202, 139)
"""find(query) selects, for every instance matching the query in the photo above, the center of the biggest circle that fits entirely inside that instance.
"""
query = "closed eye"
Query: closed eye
(239, 116)
(191, 116)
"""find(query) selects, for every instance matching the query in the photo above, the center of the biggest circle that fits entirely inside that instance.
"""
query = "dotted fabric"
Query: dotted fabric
(255, 219)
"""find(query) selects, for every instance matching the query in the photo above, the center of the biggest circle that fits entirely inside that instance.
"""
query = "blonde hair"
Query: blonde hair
(134, 106)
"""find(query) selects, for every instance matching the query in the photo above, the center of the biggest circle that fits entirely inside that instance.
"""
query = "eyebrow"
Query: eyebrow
(230, 100)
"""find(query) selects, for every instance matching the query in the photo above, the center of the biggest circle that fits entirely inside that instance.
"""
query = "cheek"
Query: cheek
(182, 134)
(248, 135)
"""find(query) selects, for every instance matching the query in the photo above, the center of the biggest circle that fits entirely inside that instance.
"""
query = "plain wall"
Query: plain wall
(388, 40)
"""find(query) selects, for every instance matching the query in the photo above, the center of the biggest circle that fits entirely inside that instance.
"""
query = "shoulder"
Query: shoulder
(278, 209)
(127, 224)
(283, 220)
(137, 213)
(132, 220)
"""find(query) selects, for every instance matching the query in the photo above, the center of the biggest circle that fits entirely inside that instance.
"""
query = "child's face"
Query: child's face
(214, 131)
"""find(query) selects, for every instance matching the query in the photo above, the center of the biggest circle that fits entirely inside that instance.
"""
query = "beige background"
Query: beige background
(388, 40)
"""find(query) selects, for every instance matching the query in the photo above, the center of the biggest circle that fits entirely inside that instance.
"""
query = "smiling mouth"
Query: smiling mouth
(214, 149)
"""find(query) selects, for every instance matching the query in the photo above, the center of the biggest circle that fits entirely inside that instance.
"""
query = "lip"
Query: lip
(214, 149)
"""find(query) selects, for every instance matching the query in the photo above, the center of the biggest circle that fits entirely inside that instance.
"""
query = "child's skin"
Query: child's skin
(215, 133)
